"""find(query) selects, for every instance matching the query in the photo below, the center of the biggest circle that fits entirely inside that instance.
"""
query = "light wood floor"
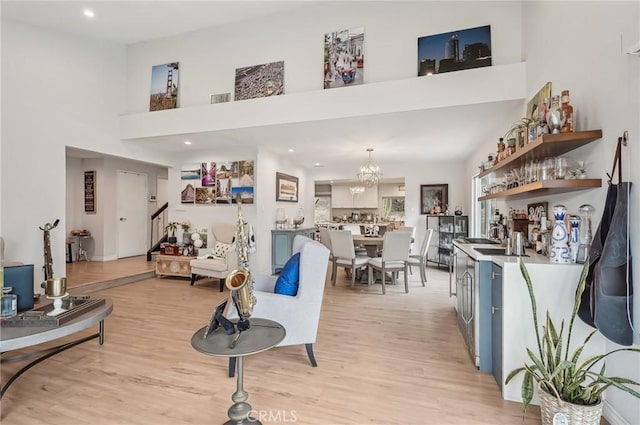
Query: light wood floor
(82, 273)
(392, 359)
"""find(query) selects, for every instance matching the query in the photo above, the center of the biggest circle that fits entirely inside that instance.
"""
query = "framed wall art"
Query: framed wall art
(164, 86)
(433, 198)
(286, 188)
(344, 58)
(259, 81)
(90, 192)
(454, 51)
(534, 106)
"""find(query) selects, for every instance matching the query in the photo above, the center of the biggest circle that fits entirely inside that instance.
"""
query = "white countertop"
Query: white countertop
(500, 260)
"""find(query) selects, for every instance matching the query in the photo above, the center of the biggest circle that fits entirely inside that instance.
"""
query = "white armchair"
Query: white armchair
(217, 267)
(298, 314)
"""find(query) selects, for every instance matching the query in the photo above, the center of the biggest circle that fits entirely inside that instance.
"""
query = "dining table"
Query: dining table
(373, 244)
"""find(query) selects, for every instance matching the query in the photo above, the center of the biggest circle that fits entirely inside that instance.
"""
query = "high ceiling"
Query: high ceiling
(427, 135)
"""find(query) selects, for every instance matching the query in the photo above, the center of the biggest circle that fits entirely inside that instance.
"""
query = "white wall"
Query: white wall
(604, 87)
(103, 224)
(391, 32)
(208, 58)
(261, 214)
(57, 90)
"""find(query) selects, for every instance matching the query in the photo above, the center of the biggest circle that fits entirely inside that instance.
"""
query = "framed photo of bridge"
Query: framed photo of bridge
(90, 192)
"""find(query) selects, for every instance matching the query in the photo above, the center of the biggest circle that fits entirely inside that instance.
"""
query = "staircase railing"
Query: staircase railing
(158, 231)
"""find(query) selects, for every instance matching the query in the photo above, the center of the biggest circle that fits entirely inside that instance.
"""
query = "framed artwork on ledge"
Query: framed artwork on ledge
(286, 188)
(433, 198)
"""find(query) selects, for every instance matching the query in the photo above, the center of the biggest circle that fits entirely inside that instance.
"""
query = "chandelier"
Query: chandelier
(369, 174)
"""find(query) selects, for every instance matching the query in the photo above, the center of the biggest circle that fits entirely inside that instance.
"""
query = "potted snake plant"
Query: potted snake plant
(567, 385)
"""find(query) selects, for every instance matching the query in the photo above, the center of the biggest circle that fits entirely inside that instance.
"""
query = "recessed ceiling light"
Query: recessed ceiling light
(89, 13)
(187, 142)
(290, 150)
(317, 164)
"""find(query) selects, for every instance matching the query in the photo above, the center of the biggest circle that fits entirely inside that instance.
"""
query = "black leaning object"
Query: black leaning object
(588, 296)
(611, 281)
(609, 285)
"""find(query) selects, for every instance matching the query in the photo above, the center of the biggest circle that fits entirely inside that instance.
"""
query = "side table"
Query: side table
(81, 251)
(261, 336)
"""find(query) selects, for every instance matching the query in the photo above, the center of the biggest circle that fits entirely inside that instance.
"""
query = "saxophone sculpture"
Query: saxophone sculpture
(239, 281)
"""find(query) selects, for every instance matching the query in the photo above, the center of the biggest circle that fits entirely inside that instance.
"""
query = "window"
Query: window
(393, 206)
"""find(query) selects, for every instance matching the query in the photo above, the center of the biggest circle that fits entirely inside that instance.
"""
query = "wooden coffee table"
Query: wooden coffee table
(174, 265)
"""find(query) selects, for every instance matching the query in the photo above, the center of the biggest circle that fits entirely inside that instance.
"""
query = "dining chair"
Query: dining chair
(420, 259)
(356, 230)
(395, 256)
(344, 255)
(326, 241)
(411, 230)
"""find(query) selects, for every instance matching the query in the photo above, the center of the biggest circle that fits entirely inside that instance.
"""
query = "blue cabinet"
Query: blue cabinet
(282, 245)
(496, 324)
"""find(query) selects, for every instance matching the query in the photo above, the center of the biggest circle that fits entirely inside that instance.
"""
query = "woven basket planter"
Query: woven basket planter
(576, 414)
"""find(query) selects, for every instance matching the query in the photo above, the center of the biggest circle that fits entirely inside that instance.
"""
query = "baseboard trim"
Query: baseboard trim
(612, 416)
(100, 286)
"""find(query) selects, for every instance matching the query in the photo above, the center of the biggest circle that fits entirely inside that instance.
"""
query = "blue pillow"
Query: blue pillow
(287, 283)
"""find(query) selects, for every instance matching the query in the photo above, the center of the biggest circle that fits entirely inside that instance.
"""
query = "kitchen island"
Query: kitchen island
(503, 319)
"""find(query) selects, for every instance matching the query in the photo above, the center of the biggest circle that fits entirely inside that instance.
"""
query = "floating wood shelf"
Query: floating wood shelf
(544, 187)
(547, 145)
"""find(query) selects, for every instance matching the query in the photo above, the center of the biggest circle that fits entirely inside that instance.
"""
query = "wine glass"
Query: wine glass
(281, 218)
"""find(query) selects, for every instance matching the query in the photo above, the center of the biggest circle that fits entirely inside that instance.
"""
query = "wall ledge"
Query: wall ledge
(474, 86)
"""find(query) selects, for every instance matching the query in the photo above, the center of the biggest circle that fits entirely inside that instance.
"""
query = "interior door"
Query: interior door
(131, 213)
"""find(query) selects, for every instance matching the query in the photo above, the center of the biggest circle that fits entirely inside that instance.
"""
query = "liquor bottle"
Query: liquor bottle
(560, 252)
(500, 155)
(567, 109)
(574, 238)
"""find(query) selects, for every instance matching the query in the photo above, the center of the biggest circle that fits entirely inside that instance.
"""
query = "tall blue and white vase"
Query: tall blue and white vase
(574, 237)
(560, 252)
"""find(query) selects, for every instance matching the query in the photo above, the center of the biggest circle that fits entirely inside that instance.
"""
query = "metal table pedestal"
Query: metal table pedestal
(261, 336)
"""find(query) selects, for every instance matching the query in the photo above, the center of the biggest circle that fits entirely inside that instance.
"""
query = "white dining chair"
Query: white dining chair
(326, 241)
(356, 230)
(420, 259)
(395, 256)
(411, 230)
(344, 255)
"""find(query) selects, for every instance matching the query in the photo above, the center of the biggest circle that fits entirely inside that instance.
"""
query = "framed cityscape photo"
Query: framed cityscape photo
(259, 81)
(454, 51)
(344, 58)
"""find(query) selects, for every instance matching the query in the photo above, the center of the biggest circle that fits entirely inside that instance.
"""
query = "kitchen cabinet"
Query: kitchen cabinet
(496, 323)
(446, 228)
(341, 197)
(282, 245)
(545, 146)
